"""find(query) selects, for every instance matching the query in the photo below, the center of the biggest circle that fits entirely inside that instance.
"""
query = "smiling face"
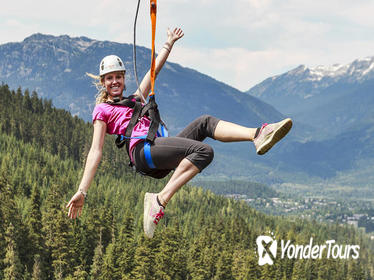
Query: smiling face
(114, 83)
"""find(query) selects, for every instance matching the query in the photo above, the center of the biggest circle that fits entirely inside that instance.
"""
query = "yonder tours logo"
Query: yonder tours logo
(267, 250)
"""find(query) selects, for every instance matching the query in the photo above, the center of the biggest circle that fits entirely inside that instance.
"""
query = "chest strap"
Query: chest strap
(151, 111)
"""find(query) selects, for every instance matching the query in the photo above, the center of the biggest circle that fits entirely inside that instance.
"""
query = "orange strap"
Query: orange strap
(153, 4)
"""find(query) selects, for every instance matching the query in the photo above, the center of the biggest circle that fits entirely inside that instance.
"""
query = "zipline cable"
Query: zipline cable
(134, 54)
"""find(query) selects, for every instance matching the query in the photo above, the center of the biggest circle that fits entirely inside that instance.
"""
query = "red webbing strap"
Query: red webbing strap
(153, 4)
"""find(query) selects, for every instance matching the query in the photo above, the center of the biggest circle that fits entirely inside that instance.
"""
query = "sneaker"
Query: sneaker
(271, 134)
(153, 212)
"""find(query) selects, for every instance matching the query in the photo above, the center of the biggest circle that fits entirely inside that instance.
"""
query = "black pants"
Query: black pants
(168, 152)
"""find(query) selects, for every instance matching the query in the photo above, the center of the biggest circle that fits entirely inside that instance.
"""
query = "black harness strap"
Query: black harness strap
(122, 140)
(150, 110)
(134, 120)
(154, 115)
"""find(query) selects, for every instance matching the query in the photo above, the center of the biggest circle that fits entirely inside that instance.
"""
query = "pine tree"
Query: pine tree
(2, 239)
(26, 274)
(79, 274)
(58, 233)
(37, 268)
(169, 258)
(106, 220)
(62, 258)
(223, 266)
(34, 222)
(36, 103)
(355, 270)
(126, 246)
(10, 214)
(98, 261)
(110, 269)
(89, 235)
(13, 267)
(239, 265)
(201, 257)
(298, 270)
(144, 259)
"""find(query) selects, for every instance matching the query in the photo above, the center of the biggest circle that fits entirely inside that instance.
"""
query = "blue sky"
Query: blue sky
(239, 42)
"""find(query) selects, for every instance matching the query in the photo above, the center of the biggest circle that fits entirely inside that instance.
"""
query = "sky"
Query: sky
(238, 42)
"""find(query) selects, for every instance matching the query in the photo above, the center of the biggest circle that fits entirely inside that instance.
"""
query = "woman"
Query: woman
(185, 153)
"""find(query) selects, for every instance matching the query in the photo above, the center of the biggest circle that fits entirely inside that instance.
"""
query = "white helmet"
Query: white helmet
(111, 63)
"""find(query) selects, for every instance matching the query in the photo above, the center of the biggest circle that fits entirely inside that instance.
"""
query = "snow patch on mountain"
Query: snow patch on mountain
(83, 43)
(319, 72)
(308, 82)
(358, 70)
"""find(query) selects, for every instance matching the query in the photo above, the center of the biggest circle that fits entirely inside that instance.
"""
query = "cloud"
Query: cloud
(239, 42)
(15, 30)
(104, 20)
(237, 66)
(243, 68)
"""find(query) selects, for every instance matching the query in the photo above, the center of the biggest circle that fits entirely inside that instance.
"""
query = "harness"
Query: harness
(150, 109)
(139, 111)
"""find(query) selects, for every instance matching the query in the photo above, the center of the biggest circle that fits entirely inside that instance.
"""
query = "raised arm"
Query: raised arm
(75, 204)
(173, 36)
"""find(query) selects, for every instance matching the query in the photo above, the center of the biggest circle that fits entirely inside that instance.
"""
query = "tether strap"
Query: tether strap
(154, 116)
(151, 107)
(153, 4)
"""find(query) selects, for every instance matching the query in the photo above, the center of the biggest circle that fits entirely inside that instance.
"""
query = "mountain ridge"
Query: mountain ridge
(335, 101)
(360, 70)
(56, 69)
(67, 59)
(332, 96)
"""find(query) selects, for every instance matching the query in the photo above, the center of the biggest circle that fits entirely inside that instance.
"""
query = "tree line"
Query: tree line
(203, 235)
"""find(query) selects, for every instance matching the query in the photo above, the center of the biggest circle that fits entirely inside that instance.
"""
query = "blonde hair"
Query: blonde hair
(102, 94)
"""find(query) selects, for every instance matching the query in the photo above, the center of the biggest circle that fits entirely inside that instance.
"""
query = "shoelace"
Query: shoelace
(262, 127)
(158, 216)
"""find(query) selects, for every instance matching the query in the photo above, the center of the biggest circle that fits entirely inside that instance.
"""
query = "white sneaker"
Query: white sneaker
(153, 212)
(271, 134)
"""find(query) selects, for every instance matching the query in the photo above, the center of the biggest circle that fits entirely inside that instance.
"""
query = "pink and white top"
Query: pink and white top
(117, 118)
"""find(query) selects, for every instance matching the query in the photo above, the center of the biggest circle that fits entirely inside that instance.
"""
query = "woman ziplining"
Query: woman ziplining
(155, 156)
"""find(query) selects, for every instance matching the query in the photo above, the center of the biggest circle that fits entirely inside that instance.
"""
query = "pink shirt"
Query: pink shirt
(117, 118)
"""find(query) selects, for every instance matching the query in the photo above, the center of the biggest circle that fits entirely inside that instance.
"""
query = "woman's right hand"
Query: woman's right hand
(174, 35)
(75, 205)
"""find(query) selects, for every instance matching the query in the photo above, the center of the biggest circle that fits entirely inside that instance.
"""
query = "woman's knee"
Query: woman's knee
(206, 153)
(202, 156)
(205, 119)
(208, 123)
(209, 152)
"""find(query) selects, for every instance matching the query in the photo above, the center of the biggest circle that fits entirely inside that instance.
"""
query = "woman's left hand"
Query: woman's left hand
(174, 35)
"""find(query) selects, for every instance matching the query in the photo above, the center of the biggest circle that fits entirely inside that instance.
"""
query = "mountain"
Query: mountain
(330, 106)
(56, 68)
(328, 98)
(307, 85)
(336, 102)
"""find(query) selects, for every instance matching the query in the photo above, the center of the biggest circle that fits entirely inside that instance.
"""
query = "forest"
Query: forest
(203, 235)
